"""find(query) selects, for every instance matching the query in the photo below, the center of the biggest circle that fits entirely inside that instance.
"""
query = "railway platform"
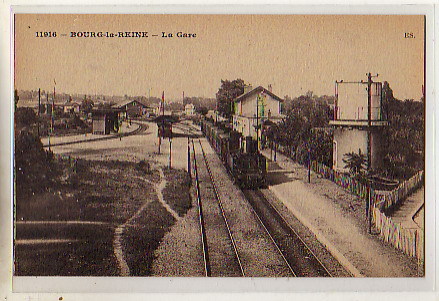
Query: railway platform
(70, 139)
(317, 206)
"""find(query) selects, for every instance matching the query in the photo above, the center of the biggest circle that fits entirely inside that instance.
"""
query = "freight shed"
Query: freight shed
(105, 121)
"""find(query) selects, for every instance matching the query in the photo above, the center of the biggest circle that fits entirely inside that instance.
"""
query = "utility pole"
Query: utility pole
(369, 207)
(369, 99)
(39, 110)
(162, 125)
(369, 148)
(53, 104)
(257, 121)
(188, 157)
(369, 117)
(309, 162)
(47, 109)
(170, 152)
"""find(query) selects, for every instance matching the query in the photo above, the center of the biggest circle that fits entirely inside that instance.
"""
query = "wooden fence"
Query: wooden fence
(384, 201)
(344, 180)
(410, 241)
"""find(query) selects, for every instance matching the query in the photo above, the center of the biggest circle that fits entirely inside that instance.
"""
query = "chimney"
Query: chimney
(270, 88)
(247, 88)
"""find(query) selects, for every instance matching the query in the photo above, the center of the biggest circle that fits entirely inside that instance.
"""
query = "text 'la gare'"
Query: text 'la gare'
(179, 34)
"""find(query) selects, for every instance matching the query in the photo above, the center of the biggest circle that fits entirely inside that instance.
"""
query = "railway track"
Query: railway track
(299, 256)
(187, 128)
(221, 256)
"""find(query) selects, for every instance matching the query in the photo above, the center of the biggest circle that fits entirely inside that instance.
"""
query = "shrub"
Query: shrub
(35, 170)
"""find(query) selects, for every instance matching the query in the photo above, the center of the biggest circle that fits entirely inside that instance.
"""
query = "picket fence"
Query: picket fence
(384, 201)
(410, 241)
(347, 182)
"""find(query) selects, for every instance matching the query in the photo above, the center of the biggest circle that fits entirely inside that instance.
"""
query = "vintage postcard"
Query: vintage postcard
(286, 147)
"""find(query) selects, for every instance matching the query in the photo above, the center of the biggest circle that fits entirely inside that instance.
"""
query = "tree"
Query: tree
(24, 117)
(16, 99)
(201, 110)
(356, 163)
(406, 128)
(228, 91)
(307, 116)
(87, 105)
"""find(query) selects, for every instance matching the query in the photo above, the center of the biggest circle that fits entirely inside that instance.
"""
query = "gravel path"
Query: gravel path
(159, 190)
(180, 252)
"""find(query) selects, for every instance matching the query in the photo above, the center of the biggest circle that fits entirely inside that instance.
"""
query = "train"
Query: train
(240, 155)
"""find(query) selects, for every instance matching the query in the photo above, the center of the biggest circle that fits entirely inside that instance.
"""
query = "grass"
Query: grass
(104, 191)
(176, 192)
(143, 237)
(90, 255)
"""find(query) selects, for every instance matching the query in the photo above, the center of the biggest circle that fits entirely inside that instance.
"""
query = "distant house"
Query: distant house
(133, 108)
(254, 107)
(71, 107)
(189, 109)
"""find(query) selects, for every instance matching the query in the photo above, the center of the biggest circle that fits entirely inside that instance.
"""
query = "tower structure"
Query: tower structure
(358, 122)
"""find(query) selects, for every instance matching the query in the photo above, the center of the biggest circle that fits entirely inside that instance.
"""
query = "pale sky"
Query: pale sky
(293, 53)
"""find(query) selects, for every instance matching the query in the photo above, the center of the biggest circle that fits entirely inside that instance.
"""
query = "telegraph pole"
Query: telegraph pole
(170, 152)
(47, 109)
(309, 162)
(369, 148)
(369, 116)
(39, 110)
(188, 157)
(257, 121)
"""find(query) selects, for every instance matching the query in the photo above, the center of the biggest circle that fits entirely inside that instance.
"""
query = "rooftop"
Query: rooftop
(258, 90)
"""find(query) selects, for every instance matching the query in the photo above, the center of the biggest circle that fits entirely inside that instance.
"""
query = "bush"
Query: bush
(35, 170)
(24, 117)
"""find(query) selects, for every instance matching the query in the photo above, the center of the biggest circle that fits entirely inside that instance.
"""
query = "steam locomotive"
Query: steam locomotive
(239, 154)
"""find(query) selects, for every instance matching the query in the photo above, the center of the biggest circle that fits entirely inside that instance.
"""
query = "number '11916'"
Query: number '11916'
(45, 34)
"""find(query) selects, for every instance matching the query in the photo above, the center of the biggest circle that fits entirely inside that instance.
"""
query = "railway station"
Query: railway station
(171, 169)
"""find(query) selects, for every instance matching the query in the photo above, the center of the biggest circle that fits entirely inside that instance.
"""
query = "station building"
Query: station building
(132, 108)
(105, 121)
(253, 108)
